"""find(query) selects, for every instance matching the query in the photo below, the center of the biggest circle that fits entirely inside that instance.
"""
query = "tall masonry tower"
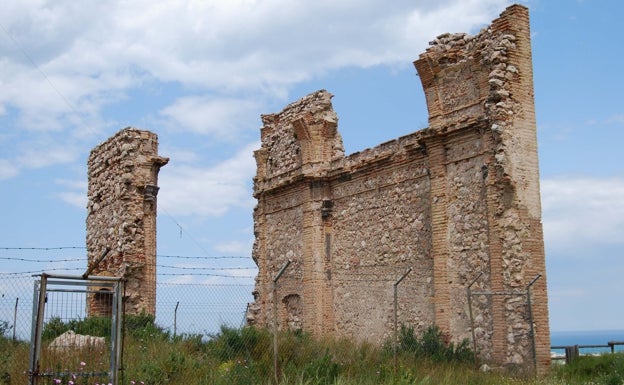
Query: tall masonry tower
(123, 185)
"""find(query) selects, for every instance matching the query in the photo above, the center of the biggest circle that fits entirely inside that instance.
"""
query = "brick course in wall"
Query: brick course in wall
(452, 201)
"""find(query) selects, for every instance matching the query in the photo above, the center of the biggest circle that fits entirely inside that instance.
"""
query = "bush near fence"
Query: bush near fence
(243, 355)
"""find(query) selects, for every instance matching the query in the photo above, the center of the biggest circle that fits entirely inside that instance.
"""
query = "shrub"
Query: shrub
(322, 370)
(142, 326)
(432, 344)
(4, 329)
(53, 328)
(246, 343)
(608, 367)
(5, 345)
(245, 356)
(93, 326)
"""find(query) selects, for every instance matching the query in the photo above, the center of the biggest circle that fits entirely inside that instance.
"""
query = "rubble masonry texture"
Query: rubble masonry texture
(121, 215)
(451, 201)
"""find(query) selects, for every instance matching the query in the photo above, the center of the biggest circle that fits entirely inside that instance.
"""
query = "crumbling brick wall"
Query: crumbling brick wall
(121, 216)
(458, 202)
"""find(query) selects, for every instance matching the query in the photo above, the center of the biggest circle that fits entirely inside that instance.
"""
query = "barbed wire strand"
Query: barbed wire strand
(85, 258)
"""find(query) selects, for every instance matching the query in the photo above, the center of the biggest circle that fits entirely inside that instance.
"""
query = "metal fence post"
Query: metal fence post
(277, 277)
(15, 318)
(474, 338)
(396, 316)
(117, 332)
(38, 314)
(175, 319)
(531, 328)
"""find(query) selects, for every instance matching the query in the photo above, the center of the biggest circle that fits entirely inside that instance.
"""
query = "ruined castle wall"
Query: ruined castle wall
(467, 233)
(284, 215)
(380, 226)
(457, 202)
(121, 215)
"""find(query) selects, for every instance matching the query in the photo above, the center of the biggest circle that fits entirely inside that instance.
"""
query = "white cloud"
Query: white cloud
(77, 196)
(179, 280)
(582, 212)
(617, 118)
(234, 247)
(239, 277)
(66, 63)
(233, 45)
(78, 199)
(53, 100)
(45, 153)
(181, 155)
(220, 117)
(241, 273)
(192, 190)
(558, 294)
(7, 169)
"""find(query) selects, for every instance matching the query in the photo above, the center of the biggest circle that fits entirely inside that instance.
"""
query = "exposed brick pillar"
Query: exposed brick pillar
(514, 116)
(439, 233)
(486, 80)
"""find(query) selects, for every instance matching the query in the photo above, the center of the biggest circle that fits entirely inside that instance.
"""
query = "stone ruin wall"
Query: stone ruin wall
(121, 215)
(451, 201)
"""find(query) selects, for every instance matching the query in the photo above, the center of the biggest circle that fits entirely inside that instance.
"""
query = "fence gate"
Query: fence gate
(69, 343)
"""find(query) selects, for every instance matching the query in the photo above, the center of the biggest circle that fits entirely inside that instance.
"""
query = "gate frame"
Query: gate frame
(39, 300)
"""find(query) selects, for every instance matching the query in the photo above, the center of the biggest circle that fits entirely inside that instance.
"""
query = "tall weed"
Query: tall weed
(432, 345)
(236, 356)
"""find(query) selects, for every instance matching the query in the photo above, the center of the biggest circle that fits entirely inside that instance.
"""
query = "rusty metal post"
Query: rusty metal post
(175, 319)
(15, 318)
(474, 338)
(396, 314)
(95, 263)
(275, 347)
(532, 329)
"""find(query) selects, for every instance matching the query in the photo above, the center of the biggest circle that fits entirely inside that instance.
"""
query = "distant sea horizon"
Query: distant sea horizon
(587, 337)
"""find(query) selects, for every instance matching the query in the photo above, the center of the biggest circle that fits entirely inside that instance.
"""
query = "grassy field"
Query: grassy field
(244, 356)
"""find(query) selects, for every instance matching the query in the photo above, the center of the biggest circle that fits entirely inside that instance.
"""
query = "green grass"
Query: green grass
(245, 356)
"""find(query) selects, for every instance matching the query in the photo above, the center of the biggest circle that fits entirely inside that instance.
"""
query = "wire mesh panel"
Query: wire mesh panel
(182, 308)
(201, 308)
(67, 343)
(16, 306)
(199, 311)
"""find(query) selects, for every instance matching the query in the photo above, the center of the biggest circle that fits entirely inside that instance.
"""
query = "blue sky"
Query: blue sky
(200, 73)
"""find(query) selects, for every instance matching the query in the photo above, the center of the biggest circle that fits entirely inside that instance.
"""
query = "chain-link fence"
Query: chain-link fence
(202, 313)
(185, 312)
(181, 308)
